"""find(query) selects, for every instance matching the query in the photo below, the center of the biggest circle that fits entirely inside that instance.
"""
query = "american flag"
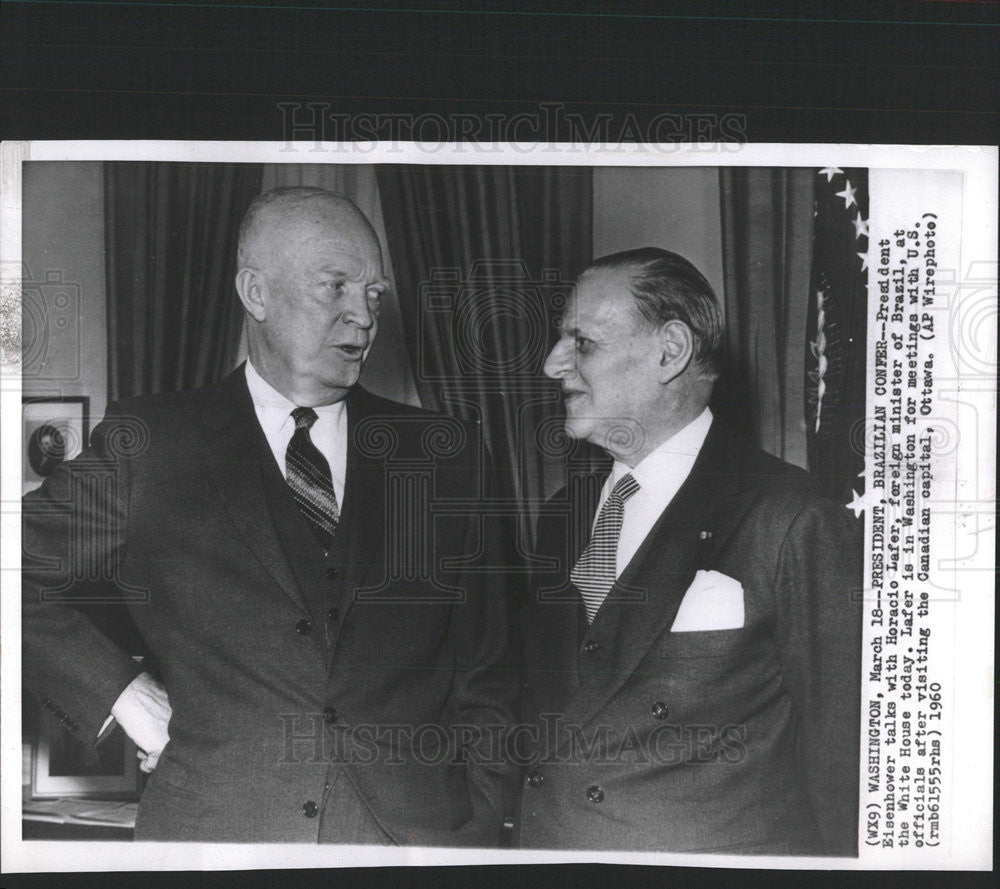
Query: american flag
(836, 342)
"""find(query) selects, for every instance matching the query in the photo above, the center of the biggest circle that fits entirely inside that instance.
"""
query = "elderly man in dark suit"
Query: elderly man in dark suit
(692, 658)
(328, 670)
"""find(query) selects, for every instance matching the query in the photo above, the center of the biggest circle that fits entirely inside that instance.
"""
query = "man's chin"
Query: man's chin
(576, 428)
(342, 376)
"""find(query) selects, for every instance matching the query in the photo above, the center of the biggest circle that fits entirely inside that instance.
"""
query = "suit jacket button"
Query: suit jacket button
(310, 809)
(331, 573)
(333, 614)
(303, 627)
(595, 794)
(660, 710)
(329, 715)
(536, 779)
(591, 645)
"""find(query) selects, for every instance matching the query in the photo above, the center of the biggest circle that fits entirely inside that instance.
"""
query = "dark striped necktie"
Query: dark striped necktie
(595, 572)
(309, 477)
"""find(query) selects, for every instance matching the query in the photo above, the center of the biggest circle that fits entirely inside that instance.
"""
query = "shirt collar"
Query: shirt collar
(671, 460)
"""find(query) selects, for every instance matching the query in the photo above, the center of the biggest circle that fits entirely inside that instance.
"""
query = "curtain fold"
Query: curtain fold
(174, 319)
(767, 230)
(484, 258)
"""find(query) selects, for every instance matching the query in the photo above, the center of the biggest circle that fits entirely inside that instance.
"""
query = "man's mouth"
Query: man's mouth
(350, 351)
(569, 395)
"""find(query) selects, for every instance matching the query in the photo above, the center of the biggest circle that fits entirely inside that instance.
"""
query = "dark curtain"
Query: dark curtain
(836, 347)
(767, 222)
(484, 260)
(174, 318)
(794, 242)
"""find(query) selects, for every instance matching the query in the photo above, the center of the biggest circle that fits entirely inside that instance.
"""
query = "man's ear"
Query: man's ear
(676, 350)
(248, 286)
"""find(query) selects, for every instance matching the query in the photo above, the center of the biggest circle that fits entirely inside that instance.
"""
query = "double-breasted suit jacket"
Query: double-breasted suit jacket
(386, 659)
(741, 739)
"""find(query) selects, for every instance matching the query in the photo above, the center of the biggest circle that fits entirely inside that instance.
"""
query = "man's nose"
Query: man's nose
(559, 363)
(357, 309)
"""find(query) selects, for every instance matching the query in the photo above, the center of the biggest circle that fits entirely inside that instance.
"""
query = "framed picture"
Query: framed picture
(63, 765)
(54, 429)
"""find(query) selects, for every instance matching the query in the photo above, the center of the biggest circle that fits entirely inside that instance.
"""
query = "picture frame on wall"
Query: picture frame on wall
(54, 429)
(64, 765)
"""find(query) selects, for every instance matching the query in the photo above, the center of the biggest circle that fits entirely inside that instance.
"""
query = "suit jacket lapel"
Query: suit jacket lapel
(643, 603)
(234, 451)
(363, 512)
(554, 622)
(303, 553)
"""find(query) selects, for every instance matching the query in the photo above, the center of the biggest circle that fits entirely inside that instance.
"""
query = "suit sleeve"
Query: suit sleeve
(73, 532)
(819, 630)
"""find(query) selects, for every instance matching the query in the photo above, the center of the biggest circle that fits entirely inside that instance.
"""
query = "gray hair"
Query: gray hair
(667, 287)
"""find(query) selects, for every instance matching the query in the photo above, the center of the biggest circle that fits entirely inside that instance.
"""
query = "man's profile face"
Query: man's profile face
(322, 283)
(607, 363)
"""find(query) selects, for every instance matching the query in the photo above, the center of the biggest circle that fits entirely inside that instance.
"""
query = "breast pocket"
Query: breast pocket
(711, 658)
(701, 643)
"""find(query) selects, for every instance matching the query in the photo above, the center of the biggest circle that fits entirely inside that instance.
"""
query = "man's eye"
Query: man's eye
(583, 345)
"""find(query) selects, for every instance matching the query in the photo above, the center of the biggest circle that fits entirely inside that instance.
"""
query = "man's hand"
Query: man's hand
(143, 711)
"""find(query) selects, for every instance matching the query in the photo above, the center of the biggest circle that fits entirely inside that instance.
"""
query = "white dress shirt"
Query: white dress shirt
(660, 476)
(328, 433)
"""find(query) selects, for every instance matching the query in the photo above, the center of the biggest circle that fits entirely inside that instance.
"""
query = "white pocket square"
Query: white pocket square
(714, 601)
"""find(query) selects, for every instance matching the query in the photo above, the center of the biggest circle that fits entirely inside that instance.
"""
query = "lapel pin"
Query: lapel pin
(704, 535)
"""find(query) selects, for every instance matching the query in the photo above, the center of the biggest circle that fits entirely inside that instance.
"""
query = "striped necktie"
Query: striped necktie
(309, 477)
(595, 572)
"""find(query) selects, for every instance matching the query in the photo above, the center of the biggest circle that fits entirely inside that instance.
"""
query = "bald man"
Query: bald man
(326, 672)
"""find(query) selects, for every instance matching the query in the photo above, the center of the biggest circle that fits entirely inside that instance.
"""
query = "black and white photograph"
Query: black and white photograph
(64, 766)
(498, 443)
(55, 430)
(517, 508)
